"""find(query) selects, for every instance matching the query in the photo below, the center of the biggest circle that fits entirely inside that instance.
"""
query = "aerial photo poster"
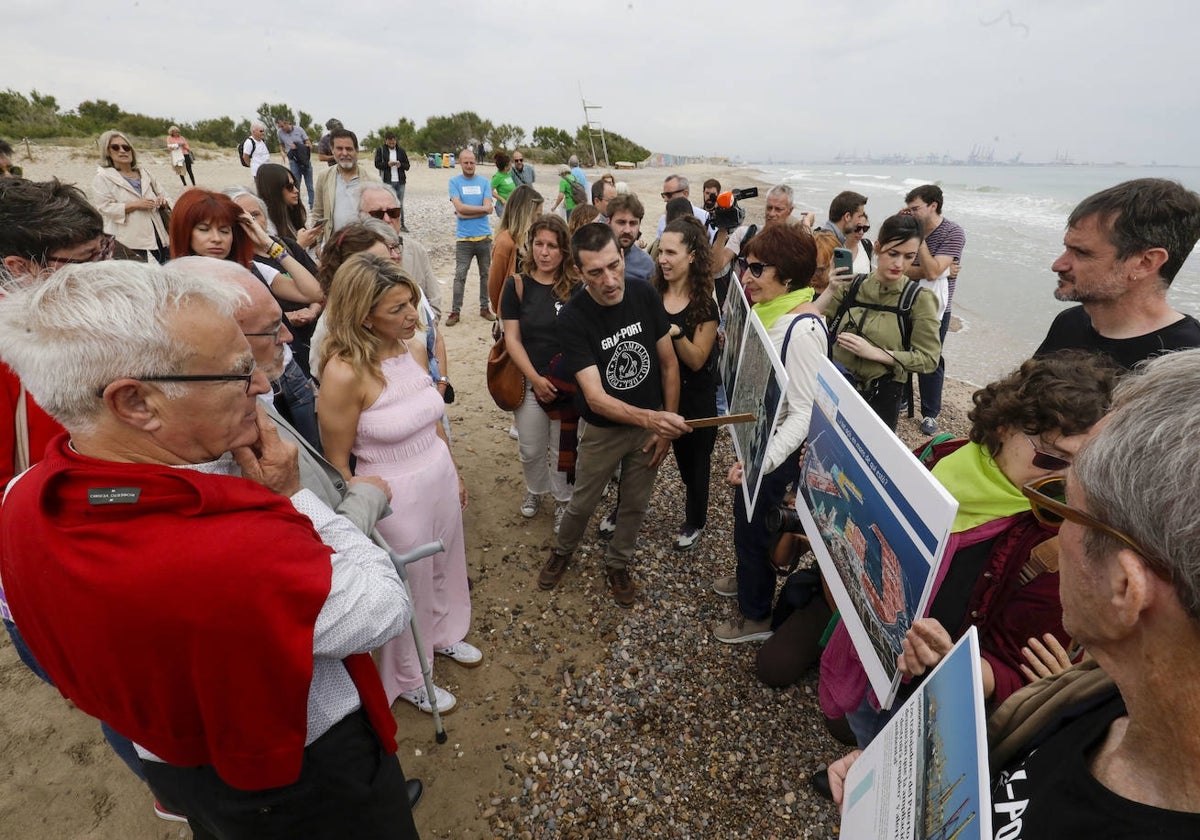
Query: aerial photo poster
(878, 522)
(925, 776)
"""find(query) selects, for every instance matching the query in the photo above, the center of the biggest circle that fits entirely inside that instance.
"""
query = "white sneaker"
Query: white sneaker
(529, 507)
(687, 537)
(419, 698)
(512, 433)
(463, 653)
(608, 526)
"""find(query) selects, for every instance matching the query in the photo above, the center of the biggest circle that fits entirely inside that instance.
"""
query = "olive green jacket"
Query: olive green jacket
(883, 330)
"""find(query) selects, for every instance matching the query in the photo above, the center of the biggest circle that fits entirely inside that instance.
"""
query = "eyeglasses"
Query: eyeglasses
(273, 334)
(518, 160)
(861, 228)
(391, 213)
(1047, 498)
(119, 147)
(291, 186)
(198, 377)
(1044, 460)
(396, 250)
(666, 196)
(755, 268)
(104, 252)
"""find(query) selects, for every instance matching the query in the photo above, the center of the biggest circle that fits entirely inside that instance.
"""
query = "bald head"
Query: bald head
(261, 320)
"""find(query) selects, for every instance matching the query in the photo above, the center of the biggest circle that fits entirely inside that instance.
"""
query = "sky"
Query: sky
(1095, 80)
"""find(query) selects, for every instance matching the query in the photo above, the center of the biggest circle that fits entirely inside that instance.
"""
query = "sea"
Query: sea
(1014, 218)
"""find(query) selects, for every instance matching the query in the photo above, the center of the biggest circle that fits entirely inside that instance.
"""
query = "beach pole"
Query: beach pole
(401, 561)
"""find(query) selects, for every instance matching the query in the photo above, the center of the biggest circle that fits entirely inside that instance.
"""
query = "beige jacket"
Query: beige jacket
(136, 229)
(326, 192)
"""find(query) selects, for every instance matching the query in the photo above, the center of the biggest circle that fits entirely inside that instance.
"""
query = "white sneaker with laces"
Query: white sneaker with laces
(420, 698)
(464, 653)
(608, 526)
(529, 507)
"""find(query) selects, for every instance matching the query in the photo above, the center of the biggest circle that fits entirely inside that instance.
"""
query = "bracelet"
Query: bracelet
(275, 251)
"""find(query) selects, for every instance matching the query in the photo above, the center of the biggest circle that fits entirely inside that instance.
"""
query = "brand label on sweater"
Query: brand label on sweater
(114, 495)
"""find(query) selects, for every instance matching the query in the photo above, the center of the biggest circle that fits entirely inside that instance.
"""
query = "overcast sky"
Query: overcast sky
(1100, 80)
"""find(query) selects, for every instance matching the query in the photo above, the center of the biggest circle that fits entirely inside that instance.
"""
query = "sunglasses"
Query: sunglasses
(667, 196)
(518, 160)
(755, 268)
(1047, 497)
(290, 186)
(1046, 461)
(119, 147)
(391, 213)
(861, 228)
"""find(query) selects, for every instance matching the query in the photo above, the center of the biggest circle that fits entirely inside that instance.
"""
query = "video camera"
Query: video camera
(727, 214)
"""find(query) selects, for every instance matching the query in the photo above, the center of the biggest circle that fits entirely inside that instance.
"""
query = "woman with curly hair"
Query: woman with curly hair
(1000, 575)
(684, 280)
(377, 401)
(529, 306)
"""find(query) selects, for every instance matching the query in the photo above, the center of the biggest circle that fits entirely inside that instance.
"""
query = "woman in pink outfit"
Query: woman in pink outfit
(378, 401)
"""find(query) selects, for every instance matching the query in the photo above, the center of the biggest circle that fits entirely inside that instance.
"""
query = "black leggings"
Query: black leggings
(693, 456)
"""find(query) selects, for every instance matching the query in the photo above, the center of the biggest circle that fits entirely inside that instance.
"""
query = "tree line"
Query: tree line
(39, 116)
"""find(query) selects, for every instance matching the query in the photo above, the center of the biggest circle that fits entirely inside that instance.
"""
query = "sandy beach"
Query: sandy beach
(585, 720)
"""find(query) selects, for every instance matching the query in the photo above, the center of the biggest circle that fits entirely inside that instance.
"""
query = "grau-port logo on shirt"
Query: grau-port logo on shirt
(628, 367)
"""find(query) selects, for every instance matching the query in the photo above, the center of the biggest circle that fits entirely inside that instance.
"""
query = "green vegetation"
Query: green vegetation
(39, 116)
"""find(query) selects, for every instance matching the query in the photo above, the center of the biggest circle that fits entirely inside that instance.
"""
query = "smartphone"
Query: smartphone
(842, 258)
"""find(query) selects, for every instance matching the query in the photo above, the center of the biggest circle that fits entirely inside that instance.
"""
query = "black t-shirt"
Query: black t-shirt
(697, 388)
(537, 313)
(1051, 794)
(620, 342)
(1072, 330)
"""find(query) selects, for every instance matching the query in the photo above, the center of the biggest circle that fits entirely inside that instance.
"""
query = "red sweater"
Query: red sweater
(160, 601)
(42, 427)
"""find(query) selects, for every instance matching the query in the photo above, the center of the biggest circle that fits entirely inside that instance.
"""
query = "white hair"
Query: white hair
(784, 190)
(381, 229)
(88, 325)
(371, 187)
(257, 124)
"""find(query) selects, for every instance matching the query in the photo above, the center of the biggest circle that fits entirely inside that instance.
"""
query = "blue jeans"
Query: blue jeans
(306, 171)
(464, 251)
(398, 189)
(751, 541)
(931, 383)
(299, 396)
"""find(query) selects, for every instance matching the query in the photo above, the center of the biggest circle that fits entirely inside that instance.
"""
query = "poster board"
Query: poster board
(878, 521)
(926, 774)
(758, 389)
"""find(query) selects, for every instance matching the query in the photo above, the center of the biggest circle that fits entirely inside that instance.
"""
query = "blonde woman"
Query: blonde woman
(378, 402)
(129, 200)
(524, 205)
(181, 154)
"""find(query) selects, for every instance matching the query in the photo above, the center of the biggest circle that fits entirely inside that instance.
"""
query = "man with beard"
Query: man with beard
(1123, 247)
(625, 213)
(338, 187)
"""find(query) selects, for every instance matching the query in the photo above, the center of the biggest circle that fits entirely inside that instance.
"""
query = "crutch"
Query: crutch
(401, 561)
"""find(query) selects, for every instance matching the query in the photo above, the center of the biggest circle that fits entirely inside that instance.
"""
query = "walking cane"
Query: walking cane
(401, 561)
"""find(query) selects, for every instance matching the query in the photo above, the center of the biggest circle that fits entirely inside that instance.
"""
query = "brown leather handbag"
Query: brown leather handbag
(505, 381)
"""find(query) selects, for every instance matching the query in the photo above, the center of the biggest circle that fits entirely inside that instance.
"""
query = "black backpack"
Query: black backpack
(903, 308)
(245, 161)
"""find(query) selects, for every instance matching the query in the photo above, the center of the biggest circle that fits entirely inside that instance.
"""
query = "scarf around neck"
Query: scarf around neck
(984, 493)
(770, 311)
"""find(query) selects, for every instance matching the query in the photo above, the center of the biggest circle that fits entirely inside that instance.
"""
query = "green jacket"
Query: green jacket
(883, 330)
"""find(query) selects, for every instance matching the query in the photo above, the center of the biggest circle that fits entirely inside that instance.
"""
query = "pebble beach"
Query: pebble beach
(585, 720)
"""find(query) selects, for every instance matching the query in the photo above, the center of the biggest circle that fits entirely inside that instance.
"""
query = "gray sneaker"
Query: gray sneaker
(739, 630)
(529, 507)
(929, 426)
(726, 586)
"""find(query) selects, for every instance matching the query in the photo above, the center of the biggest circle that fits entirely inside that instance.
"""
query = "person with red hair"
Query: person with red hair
(209, 224)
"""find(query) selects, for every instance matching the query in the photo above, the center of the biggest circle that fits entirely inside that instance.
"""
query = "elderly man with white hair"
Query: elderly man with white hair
(1111, 747)
(220, 622)
(254, 151)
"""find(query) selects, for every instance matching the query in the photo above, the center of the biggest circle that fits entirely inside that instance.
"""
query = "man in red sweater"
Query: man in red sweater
(221, 623)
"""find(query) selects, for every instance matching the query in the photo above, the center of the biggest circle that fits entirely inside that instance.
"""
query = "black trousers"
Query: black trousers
(885, 401)
(348, 787)
(693, 456)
